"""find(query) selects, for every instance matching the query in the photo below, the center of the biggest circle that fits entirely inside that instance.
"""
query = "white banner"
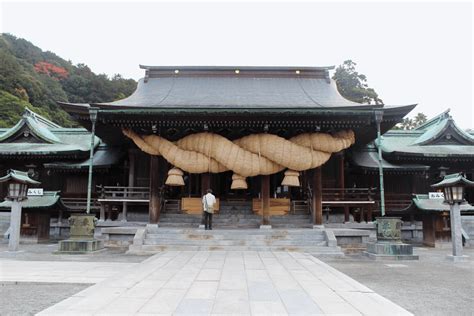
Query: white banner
(35, 192)
(436, 195)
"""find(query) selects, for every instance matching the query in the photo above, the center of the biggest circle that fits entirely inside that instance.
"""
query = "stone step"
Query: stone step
(309, 249)
(191, 236)
(246, 232)
(234, 242)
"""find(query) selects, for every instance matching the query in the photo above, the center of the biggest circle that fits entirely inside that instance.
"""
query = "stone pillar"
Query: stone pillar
(456, 233)
(15, 226)
(317, 196)
(265, 194)
(154, 206)
(124, 211)
(102, 212)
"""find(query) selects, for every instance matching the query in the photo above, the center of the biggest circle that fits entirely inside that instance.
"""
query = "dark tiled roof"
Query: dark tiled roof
(235, 87)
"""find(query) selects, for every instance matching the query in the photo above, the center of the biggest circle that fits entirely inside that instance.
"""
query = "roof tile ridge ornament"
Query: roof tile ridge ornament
(434, 120)
(39, 118)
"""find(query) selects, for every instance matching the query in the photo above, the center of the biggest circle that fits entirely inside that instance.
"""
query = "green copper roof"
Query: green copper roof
(104, 157)
(367, 158)
(439, 137)
(424, 203)
(18, 176)
(453, 179)
(35, 135)
(47, 200)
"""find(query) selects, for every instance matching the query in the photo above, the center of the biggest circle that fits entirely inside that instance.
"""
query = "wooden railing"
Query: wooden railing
(395, 202)
(80, 204)
(129, 194)
(348, 194)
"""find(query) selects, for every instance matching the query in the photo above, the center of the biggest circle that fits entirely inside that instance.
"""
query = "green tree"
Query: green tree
(353, 86)
(41, 78)
(411, 123)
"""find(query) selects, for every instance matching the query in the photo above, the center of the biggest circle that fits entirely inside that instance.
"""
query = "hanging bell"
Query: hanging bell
(291, 178)
(238, 182)
(175, 178)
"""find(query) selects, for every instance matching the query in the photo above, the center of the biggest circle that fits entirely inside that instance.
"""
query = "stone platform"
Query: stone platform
(228, 282)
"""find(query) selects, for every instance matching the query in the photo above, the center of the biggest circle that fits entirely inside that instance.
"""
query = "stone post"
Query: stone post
(456, 232)
(15, 226)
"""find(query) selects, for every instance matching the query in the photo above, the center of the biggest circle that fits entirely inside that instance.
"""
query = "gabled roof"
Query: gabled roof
(36, 135)
(36, 124)
(439, 137)
(49, 199)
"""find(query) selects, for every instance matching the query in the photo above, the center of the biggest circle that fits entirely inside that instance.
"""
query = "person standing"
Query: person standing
(208, 202)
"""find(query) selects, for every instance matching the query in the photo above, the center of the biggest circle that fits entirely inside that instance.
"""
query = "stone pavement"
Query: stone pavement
(60, 272)
(239, 283)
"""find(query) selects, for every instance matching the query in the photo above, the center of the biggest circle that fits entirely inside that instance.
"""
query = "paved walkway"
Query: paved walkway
(239, 283)
(59, 272)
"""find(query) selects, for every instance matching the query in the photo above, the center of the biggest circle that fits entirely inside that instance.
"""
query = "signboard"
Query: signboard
(436, 195)
(35, 192)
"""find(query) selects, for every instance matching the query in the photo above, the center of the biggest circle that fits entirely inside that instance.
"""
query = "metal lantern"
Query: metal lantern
(453, 187)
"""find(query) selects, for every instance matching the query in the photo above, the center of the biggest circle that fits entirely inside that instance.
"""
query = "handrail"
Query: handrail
(121, 192)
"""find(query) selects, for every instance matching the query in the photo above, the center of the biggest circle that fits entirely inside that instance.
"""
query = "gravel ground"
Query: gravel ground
(430, 286)
(30, 298)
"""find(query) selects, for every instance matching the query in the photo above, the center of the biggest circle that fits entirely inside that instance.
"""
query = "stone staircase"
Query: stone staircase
(234, 214)
(155, 239)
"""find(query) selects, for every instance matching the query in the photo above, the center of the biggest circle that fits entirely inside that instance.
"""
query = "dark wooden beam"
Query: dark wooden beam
(265, 193)
(205, 182)
(317, 196)
(155, 203)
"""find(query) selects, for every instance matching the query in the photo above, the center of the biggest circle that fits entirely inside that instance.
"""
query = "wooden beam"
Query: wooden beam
(205, 182)
(131, 168)
(317, 196)
(155, 203)
(265, 193)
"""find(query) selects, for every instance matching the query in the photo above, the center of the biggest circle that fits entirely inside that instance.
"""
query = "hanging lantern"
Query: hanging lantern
(238, 182)
(175, 178)
(291, 178)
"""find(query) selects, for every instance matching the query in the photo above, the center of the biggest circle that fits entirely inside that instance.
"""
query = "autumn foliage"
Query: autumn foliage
(43, 67)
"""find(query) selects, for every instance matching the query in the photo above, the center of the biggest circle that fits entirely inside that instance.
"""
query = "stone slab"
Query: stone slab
(284, 283)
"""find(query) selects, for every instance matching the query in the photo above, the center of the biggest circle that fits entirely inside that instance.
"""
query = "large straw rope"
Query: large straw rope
(258, 154)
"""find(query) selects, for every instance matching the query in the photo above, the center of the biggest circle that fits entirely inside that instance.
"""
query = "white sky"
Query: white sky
(411, 52)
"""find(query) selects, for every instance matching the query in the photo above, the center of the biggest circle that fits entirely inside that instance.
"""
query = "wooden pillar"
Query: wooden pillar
(205, 182)
(265, 194)
(369, 213)
(155, 203)
(341, 170)
(131, 168)
(317, 196)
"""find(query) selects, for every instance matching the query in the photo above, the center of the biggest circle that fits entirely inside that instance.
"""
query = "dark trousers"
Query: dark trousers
(207, 220)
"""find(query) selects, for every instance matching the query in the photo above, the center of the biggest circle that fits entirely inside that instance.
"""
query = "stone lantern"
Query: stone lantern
(18, 182)
(453, 188)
